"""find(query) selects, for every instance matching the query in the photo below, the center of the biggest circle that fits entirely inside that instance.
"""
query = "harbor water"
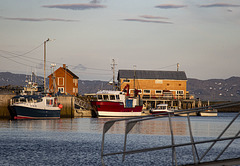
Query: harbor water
(78, 141)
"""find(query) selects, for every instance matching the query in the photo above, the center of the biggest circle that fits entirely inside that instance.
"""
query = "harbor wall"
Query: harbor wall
(67, 110)
(4, 106)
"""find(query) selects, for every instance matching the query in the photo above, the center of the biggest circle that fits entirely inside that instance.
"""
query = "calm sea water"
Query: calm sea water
(78, 141)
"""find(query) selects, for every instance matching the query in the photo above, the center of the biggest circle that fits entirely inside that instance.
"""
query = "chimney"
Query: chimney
(64, 66)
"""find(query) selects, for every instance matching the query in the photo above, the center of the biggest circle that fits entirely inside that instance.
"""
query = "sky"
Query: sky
(202, 36)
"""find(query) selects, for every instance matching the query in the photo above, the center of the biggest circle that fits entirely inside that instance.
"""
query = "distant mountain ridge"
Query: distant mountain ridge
(212, 89)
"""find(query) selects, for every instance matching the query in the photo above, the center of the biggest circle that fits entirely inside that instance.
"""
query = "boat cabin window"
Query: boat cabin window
(112, 97)
(162, 107)
(105, 97)
(22, 99)
(117, 97)
(99, 97)
(49, 101)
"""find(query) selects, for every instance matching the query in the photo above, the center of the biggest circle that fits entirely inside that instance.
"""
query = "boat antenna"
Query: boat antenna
(54, 81)
(178, 66)
(113, 69)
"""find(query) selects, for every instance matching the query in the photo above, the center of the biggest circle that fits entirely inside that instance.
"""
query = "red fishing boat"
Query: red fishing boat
(117, 103)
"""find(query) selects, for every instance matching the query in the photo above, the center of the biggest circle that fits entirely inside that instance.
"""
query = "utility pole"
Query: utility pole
(113, 68)
(45, 64)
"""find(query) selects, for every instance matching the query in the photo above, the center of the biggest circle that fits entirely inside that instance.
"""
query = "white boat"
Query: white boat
(161, 108)
(210, 112)
(35, 107)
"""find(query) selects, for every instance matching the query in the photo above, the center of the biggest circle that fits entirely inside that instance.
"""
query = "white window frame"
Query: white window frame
(61, 89)
(62, 81)
(159, 93)
(177, 92)
(146, 92)
(140, 92)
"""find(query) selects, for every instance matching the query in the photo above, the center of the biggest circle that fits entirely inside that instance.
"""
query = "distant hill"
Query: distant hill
(212, 89)
(215, 89)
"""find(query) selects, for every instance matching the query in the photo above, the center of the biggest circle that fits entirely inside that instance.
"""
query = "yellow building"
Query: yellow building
(154, 84)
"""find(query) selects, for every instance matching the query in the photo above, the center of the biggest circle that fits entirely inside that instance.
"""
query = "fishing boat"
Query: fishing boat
(35, 107)
(210, 112)
(116, 104)
(161, 109)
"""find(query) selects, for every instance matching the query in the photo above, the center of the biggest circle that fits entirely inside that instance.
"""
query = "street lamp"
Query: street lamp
(45, 62)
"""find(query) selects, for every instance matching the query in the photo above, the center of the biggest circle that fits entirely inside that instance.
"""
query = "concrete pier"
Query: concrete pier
(4, 106)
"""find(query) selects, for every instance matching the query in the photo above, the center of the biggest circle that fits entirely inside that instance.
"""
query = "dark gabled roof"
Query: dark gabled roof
(69, 71)
(150, 74)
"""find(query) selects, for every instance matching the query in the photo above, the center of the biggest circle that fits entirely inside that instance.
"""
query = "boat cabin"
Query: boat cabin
(48, 101)
(117, 96)
(110, 96)
(162, 106)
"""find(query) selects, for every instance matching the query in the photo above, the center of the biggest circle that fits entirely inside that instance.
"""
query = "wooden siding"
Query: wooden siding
(153, 85)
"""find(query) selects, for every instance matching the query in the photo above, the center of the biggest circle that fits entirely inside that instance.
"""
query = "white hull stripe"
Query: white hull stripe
(107, 113)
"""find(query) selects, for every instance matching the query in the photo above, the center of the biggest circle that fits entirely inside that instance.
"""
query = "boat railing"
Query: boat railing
(131, 122)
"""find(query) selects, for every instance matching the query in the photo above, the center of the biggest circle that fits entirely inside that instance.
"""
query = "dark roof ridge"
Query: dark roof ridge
(152, 74)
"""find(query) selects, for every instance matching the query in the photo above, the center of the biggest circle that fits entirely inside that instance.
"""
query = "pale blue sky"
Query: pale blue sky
(203, 36)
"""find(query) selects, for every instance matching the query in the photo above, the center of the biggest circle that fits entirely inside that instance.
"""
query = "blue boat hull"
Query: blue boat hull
(20, 112)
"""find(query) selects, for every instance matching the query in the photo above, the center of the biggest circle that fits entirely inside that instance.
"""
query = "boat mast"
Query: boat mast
(45, 64)
(134, 67)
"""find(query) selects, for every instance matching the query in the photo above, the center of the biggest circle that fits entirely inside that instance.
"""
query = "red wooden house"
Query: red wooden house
(65, 81)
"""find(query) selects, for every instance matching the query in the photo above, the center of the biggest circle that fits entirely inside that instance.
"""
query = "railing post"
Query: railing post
(129, 127)
(194, 149)
(174, 158)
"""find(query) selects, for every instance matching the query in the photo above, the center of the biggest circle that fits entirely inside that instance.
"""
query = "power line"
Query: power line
(22, 55)
(16, 61)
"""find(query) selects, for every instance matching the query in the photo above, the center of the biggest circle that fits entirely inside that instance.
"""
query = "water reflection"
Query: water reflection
(201, 126)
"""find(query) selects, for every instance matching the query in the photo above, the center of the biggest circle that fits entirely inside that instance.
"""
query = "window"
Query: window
(61, 89)
(75, 82)
(146, 91)
(105, 97)
(75, 90)
(139, 91)
(112, 97)
(117, 97)
(179, 92)
(49, 101)
(131, 91)
(60, 81)
(158, 92)
(126, 80)
(99, 97)
(158, 81)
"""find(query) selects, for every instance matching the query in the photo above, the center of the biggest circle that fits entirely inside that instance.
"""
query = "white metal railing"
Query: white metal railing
(130, 123)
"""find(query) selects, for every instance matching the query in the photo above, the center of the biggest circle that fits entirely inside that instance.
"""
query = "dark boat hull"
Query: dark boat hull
(20, 112)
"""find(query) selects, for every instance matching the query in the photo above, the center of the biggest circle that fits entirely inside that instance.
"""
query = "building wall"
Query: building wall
(65, 81)
(153, 85)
